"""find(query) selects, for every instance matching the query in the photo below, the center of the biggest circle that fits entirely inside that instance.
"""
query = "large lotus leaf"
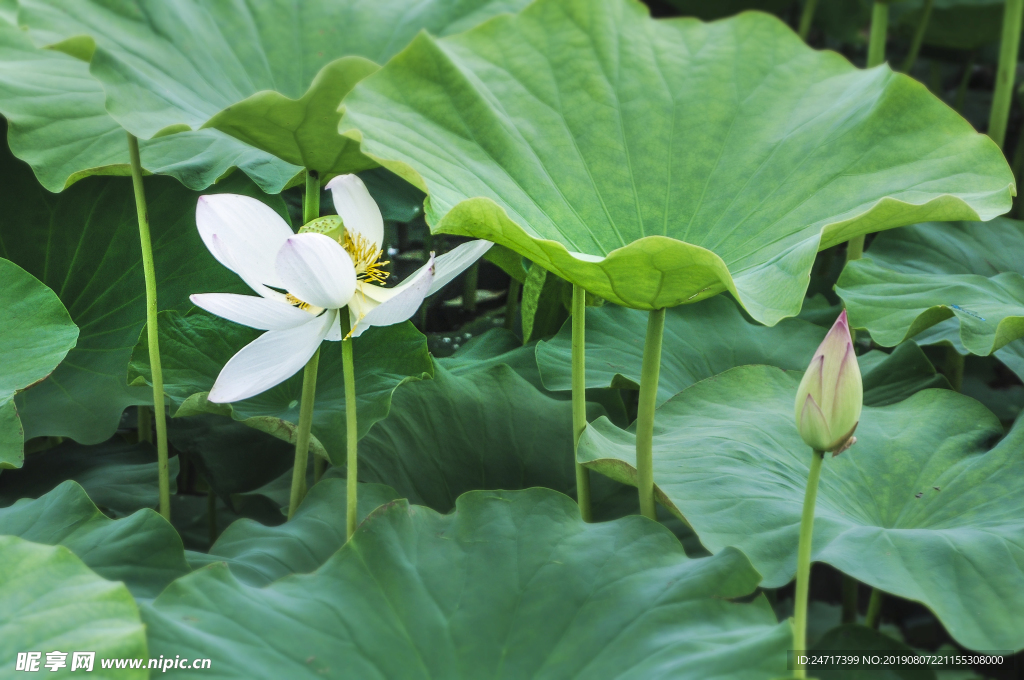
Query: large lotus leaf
(922, 506)
(50, 601)
(143, 550)
(680, 158)
(58, 125)
(709, 337)
(35, 335)
(84, 244)
(948, 333)
(483, 428)
(119, 477)
(513, 584)
(270, 73)
(913, 278)
(259, 555)
(195, 347)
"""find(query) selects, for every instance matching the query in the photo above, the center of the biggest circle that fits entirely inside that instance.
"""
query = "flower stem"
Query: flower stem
(512, 303)
(873, 616)
(579, 396)
(310, 211)
(806, 17)
(152, 329)
(915, 44)
(879, 33)
(645, 411)
(302, 436)
(850, 588)
(1006, 73)
(351, 432)
(803, 562)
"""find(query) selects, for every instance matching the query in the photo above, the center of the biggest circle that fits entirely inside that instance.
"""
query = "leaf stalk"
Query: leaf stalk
(645, 411)
(579, 396)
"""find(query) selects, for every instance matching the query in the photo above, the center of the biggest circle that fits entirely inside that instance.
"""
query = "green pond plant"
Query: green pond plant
(828, 405)
(323, 283)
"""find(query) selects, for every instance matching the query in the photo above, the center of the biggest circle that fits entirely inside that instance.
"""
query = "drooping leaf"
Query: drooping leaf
(50, 601)
(923, 506)
(195, 347)
(913, 278)
(84, 244)
(142, 550)
(36, 334)
(57, 124)
(119, 477)
(890, 378)
(680, 158)
(513, 584)
(269, 73)
(259, 555)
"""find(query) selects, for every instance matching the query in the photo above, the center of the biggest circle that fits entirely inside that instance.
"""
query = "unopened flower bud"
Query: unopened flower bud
(830, 396)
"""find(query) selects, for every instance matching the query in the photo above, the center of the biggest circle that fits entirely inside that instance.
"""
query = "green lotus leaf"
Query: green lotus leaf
(678, 158)
(195, 347)
(482, 428)
(143, 550)
(861, 640)
(710, 337)
(513, 584)
(270, 73)
(119, 477)
(923, 506)
(58, 125)
(259, 555)
(84, 244)
(914, 278)
(35, 336)
(50, 601)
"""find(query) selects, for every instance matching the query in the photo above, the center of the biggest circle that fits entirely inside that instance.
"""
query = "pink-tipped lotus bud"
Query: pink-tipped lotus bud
(830, 397)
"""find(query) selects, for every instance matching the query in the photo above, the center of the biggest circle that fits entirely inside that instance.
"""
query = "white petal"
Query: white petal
(399, 303)
(357, 208)
(254, 312)
(244, 235)
(334, 334)
(317, 270)
(453, 263)
(269, 360)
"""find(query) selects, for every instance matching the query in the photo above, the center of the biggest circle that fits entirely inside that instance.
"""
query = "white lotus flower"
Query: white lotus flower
(372, 304)
(304, 280)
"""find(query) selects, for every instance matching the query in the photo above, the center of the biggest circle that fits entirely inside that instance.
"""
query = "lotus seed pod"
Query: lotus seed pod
(831, 395)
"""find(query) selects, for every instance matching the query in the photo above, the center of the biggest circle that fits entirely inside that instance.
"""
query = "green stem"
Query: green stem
(850, 588)
(1006, 73)
(645, 411)
(803, 561)
(512, 303)
(469, 288)
(915, 43)
(954, 368)
(806, 17)
(310, 211)
(302, 435)
(579, 396)
(352, 435)
(874, 609)
(145, 417)
(152, 328)
(879, 33)
(965, 80)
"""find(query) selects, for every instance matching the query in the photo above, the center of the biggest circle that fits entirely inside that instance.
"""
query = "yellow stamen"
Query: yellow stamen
(366, 258)
(296, 302)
